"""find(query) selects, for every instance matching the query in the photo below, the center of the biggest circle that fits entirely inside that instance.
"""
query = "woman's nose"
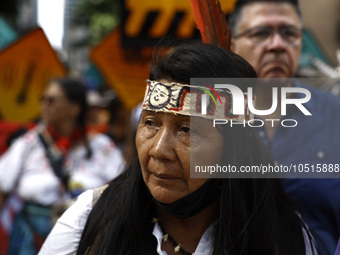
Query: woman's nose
(163, 147)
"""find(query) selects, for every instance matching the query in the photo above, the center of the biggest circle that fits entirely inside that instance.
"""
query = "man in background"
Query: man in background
(268, 34)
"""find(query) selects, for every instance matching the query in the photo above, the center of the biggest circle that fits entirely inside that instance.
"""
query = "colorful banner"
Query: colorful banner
(25, 68)
(125, 75)
(145, 22)
(7, 34)
(123, 56)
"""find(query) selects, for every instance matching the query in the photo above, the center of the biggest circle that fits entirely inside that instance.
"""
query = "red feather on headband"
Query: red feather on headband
(211, 22)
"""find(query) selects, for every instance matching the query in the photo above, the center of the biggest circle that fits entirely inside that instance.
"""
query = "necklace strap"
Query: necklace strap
(166, 236)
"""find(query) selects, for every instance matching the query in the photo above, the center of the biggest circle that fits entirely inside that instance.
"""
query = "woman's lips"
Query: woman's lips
(164, 176)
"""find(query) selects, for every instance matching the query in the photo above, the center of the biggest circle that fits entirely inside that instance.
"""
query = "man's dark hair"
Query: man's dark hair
(234, 17)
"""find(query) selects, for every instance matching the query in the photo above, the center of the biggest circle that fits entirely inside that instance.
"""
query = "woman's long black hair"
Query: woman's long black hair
(254, 218)
(75, 92)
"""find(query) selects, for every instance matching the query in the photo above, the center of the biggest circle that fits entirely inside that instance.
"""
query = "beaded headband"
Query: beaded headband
(187, 100)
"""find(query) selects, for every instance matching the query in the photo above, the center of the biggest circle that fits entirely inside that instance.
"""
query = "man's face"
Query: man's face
(276, 58)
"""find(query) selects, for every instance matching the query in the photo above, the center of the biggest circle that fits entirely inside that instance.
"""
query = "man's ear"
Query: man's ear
(232, 45)
(75, 109)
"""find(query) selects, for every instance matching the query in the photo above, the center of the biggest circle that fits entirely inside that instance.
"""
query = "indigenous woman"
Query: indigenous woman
(155, 207)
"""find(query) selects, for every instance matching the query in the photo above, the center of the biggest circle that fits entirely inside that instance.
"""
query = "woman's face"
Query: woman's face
(165, 142)
(55, 105)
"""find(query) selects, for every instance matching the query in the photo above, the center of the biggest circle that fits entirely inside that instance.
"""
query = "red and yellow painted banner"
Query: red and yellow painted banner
(126, 76)
(25, 68)
(166, 9)
(123, 56)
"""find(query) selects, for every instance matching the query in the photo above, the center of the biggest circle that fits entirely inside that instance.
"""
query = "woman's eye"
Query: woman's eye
(149, 123)
(185, 129)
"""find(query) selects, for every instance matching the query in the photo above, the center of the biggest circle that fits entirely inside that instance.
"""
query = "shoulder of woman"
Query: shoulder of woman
(66, 233)
(29, 137)
(102, 141)
(97, 192)
(78, 212)
(82, 207)
(21, 145)
(99, 138)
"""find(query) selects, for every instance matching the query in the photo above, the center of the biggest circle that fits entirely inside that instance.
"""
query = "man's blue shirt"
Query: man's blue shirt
(315, 140)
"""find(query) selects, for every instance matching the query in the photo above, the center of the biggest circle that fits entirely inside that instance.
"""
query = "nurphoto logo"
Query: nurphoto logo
(241, 104)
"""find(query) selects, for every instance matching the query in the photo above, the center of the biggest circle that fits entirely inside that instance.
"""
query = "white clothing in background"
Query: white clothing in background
(26, 171)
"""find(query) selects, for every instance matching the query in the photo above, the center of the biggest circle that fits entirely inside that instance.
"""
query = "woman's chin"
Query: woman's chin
(164, 196)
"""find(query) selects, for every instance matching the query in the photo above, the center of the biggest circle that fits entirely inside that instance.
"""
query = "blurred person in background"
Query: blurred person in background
(107, 114)
(98, 115)
(268, 34)
(53, 163)
(119, 125)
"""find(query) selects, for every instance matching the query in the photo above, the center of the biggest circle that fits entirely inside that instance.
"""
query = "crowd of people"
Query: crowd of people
(75, 188)
(54, 162)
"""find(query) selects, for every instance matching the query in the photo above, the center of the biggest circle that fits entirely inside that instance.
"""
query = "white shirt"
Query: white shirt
(26, 171)
(65, 236)
(66, 233)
